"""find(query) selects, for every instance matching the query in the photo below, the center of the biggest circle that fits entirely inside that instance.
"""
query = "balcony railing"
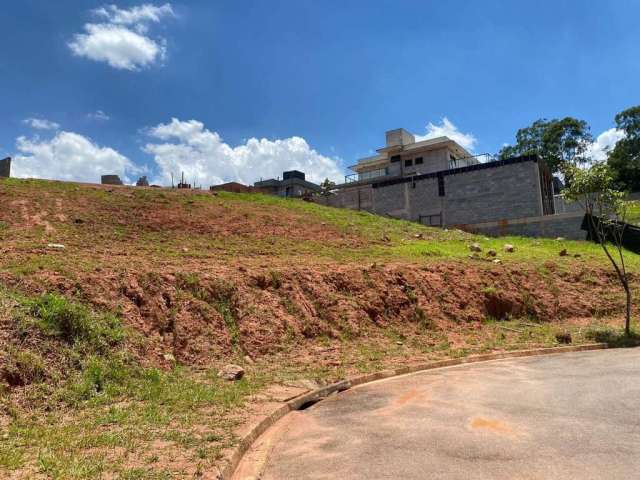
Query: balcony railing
(472, 160)
(363, 176)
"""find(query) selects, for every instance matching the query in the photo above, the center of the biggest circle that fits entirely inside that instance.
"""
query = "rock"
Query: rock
(418, 235)
(57, 246)
(249, 360)
(497, 261)
(560, 239)
(185, 249)
(564, 338)
(492, 253)
(563, 252)
(231, 372)
(509, 248)
(398, 342)
(475, 247)
(169, 357)
(474, 256)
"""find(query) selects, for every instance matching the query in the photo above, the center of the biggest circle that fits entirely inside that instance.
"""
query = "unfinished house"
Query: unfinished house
(293, 184)
(438, 183)
(5, 167)
(110, 180)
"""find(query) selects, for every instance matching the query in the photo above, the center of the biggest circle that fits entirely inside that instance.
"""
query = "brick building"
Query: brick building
(438, 183)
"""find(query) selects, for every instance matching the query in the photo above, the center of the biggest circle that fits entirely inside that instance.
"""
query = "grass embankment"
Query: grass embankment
(106, 365)
(170, 227)
(89, 408)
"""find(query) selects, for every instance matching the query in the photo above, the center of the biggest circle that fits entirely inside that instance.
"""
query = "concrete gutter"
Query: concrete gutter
(265, 422)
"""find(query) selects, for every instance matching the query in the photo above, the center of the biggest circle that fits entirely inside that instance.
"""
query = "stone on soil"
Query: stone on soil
(231, 372)
(475, 247)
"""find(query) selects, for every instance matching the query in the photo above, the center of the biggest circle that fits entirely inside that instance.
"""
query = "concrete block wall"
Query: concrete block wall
(356, 198)
(424, 199)
(500, 199)
(509, 191)
(550, 226)
(471, 196)
(392, 201)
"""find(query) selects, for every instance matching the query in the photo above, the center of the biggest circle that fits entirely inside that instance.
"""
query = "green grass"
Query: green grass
(92, 396)
(349, 236)
(75, 323)
(633, 212)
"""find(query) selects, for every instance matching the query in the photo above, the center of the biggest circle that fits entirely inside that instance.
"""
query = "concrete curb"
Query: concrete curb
(262, 425)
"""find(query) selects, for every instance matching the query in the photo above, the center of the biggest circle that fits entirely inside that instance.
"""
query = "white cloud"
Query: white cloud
(41, 124)
(98, 115)
(448, 129)
(187, 146)
(68, 156)
(604, 143)
(122, 41)
(135, 15)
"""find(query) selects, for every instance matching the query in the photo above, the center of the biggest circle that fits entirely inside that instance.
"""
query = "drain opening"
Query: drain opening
(309, 403)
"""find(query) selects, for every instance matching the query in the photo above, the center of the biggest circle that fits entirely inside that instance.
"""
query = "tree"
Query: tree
(326, 187)
(594, 188)
(624, 159)
(555, 141)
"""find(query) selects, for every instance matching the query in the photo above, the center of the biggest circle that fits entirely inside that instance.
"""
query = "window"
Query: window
(453, 163)
(419, 161)
(440, 185)
(408, 162)
(395, 158)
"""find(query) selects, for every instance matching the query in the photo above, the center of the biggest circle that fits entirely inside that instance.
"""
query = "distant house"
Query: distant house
(142, 182)
(5, 167)
(110, 180)
(438, 183)
(402, 156)
(233, 187)
(293, 184)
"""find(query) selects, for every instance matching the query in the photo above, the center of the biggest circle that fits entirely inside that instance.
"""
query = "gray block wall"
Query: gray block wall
(5, 168)
(549, 226)
(494, 195)
(424, 199)
(490, 194)
(509, 191)
(392, 201)
(356, 198)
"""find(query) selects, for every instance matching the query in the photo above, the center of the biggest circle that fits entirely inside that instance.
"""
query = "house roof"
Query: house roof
(422, 146)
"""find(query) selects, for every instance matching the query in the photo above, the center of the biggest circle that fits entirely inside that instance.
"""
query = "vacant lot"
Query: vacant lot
(119, 305)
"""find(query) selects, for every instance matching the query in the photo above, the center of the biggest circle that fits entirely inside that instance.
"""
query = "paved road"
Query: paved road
(567, 416)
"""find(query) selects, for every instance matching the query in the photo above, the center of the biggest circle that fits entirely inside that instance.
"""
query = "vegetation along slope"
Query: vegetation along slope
(119, 305)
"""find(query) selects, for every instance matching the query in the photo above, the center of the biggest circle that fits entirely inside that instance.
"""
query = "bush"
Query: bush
(75, 323)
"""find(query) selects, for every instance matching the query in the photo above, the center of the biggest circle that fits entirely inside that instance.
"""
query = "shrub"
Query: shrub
(76, 323)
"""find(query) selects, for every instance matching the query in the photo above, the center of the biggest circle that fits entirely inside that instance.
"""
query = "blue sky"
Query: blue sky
(319, 81)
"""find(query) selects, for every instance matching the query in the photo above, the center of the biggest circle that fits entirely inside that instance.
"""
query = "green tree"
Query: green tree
(594, 188)
(624, 159)
(555, 141)
(327, 187)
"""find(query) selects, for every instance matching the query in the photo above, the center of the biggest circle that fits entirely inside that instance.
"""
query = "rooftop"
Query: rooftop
(400, 140)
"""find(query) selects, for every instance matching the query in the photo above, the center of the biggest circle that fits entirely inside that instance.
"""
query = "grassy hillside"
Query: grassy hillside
(118, 305)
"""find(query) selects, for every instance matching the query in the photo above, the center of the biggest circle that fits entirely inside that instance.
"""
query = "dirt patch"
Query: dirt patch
(200, 317)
